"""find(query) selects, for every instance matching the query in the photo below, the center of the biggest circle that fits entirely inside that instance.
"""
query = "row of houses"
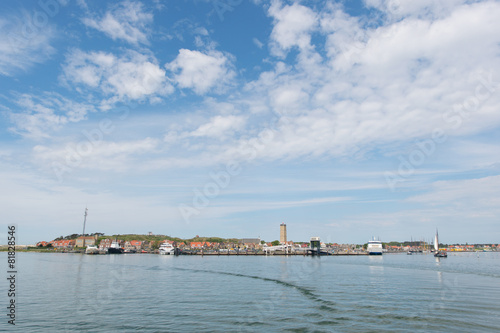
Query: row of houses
(69, 243)
(245, 243)
(135, 245)
(466, 248)
(104, 243)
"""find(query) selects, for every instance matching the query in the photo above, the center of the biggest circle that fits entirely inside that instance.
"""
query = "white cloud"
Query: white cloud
(22, 45)
(133, 76)
(219, 127)
(397, 9)
(200, 71)
(127, 21)
(397, 83)
(396, 88)
(93, 155)
(257, 43)
(293, 27)
(39, 117)
(475, 196)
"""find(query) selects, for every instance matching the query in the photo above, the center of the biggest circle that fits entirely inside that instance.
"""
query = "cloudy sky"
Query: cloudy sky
(345, 120)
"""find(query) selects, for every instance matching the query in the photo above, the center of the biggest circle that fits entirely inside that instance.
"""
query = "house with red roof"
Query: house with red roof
(200, 245)
(63, 243)
(136, 244)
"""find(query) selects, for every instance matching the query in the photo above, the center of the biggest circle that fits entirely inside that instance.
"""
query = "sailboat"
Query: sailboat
(437, 253)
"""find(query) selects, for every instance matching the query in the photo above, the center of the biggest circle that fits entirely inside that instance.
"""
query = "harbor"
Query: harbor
(99, 244)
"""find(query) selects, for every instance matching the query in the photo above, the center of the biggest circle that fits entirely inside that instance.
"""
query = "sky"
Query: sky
(345, 120)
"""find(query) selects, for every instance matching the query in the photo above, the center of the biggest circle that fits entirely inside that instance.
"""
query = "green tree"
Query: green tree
(275, 243)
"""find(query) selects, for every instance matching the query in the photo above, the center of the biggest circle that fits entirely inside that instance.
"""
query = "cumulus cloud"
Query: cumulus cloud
(381, 84)
(127, 21)
(201, 71)
(134, 76)
(397, 83)
(293, 27)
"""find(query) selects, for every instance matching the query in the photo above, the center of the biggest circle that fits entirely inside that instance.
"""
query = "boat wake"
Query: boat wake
(306, 292)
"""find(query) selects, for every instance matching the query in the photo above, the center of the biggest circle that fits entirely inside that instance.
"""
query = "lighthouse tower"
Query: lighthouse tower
(282, 233)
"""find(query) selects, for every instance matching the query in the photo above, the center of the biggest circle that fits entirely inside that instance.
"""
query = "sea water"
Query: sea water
(153, 293)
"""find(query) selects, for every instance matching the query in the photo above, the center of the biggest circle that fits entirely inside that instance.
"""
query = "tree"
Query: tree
(275, 243)
(263, 242)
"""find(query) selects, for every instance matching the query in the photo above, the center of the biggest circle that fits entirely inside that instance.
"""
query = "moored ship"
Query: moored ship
(115, 248)
(166, 248)
(92, 249)
(374, 247)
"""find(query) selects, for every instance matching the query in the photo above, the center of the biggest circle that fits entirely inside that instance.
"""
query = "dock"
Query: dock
(274, 253)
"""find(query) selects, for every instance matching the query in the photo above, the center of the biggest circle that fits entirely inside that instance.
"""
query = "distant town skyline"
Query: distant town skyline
(343, 120)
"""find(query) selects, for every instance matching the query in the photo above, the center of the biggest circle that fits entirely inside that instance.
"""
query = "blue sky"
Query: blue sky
(345, 120)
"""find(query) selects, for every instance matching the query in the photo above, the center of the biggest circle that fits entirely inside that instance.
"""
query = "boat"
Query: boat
(374, 247)
(92, 249)
(437, 252)
(115, 248)
(166, 248)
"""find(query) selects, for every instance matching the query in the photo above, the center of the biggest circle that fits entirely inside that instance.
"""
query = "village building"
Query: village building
(85, 241)
(200, 245)
(63, 243)
(105, 243)
(136, 244)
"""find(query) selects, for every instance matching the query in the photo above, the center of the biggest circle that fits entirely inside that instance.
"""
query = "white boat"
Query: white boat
(166, 248)
(375, 247)
(92, 249)
(437, 253)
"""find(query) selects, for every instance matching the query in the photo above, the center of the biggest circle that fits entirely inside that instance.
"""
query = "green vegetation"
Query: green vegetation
(275, 243)
(75, 236)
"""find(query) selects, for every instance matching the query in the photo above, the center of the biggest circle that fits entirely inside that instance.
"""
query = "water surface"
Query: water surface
(152, 293)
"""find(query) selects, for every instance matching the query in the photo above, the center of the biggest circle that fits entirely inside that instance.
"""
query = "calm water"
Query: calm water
(152, 293)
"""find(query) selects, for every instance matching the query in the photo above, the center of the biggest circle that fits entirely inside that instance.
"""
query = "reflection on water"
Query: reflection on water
(440, 277)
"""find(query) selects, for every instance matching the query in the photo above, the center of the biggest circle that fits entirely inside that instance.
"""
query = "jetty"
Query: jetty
(274, 253)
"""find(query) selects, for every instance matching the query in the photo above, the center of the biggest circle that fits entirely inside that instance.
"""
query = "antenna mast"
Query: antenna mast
(84, 221)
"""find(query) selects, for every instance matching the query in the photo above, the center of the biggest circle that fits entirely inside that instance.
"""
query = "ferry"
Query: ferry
(166, 248)
(374, 247)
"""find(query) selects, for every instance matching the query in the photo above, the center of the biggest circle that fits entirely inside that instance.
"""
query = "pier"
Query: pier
(274, 253)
